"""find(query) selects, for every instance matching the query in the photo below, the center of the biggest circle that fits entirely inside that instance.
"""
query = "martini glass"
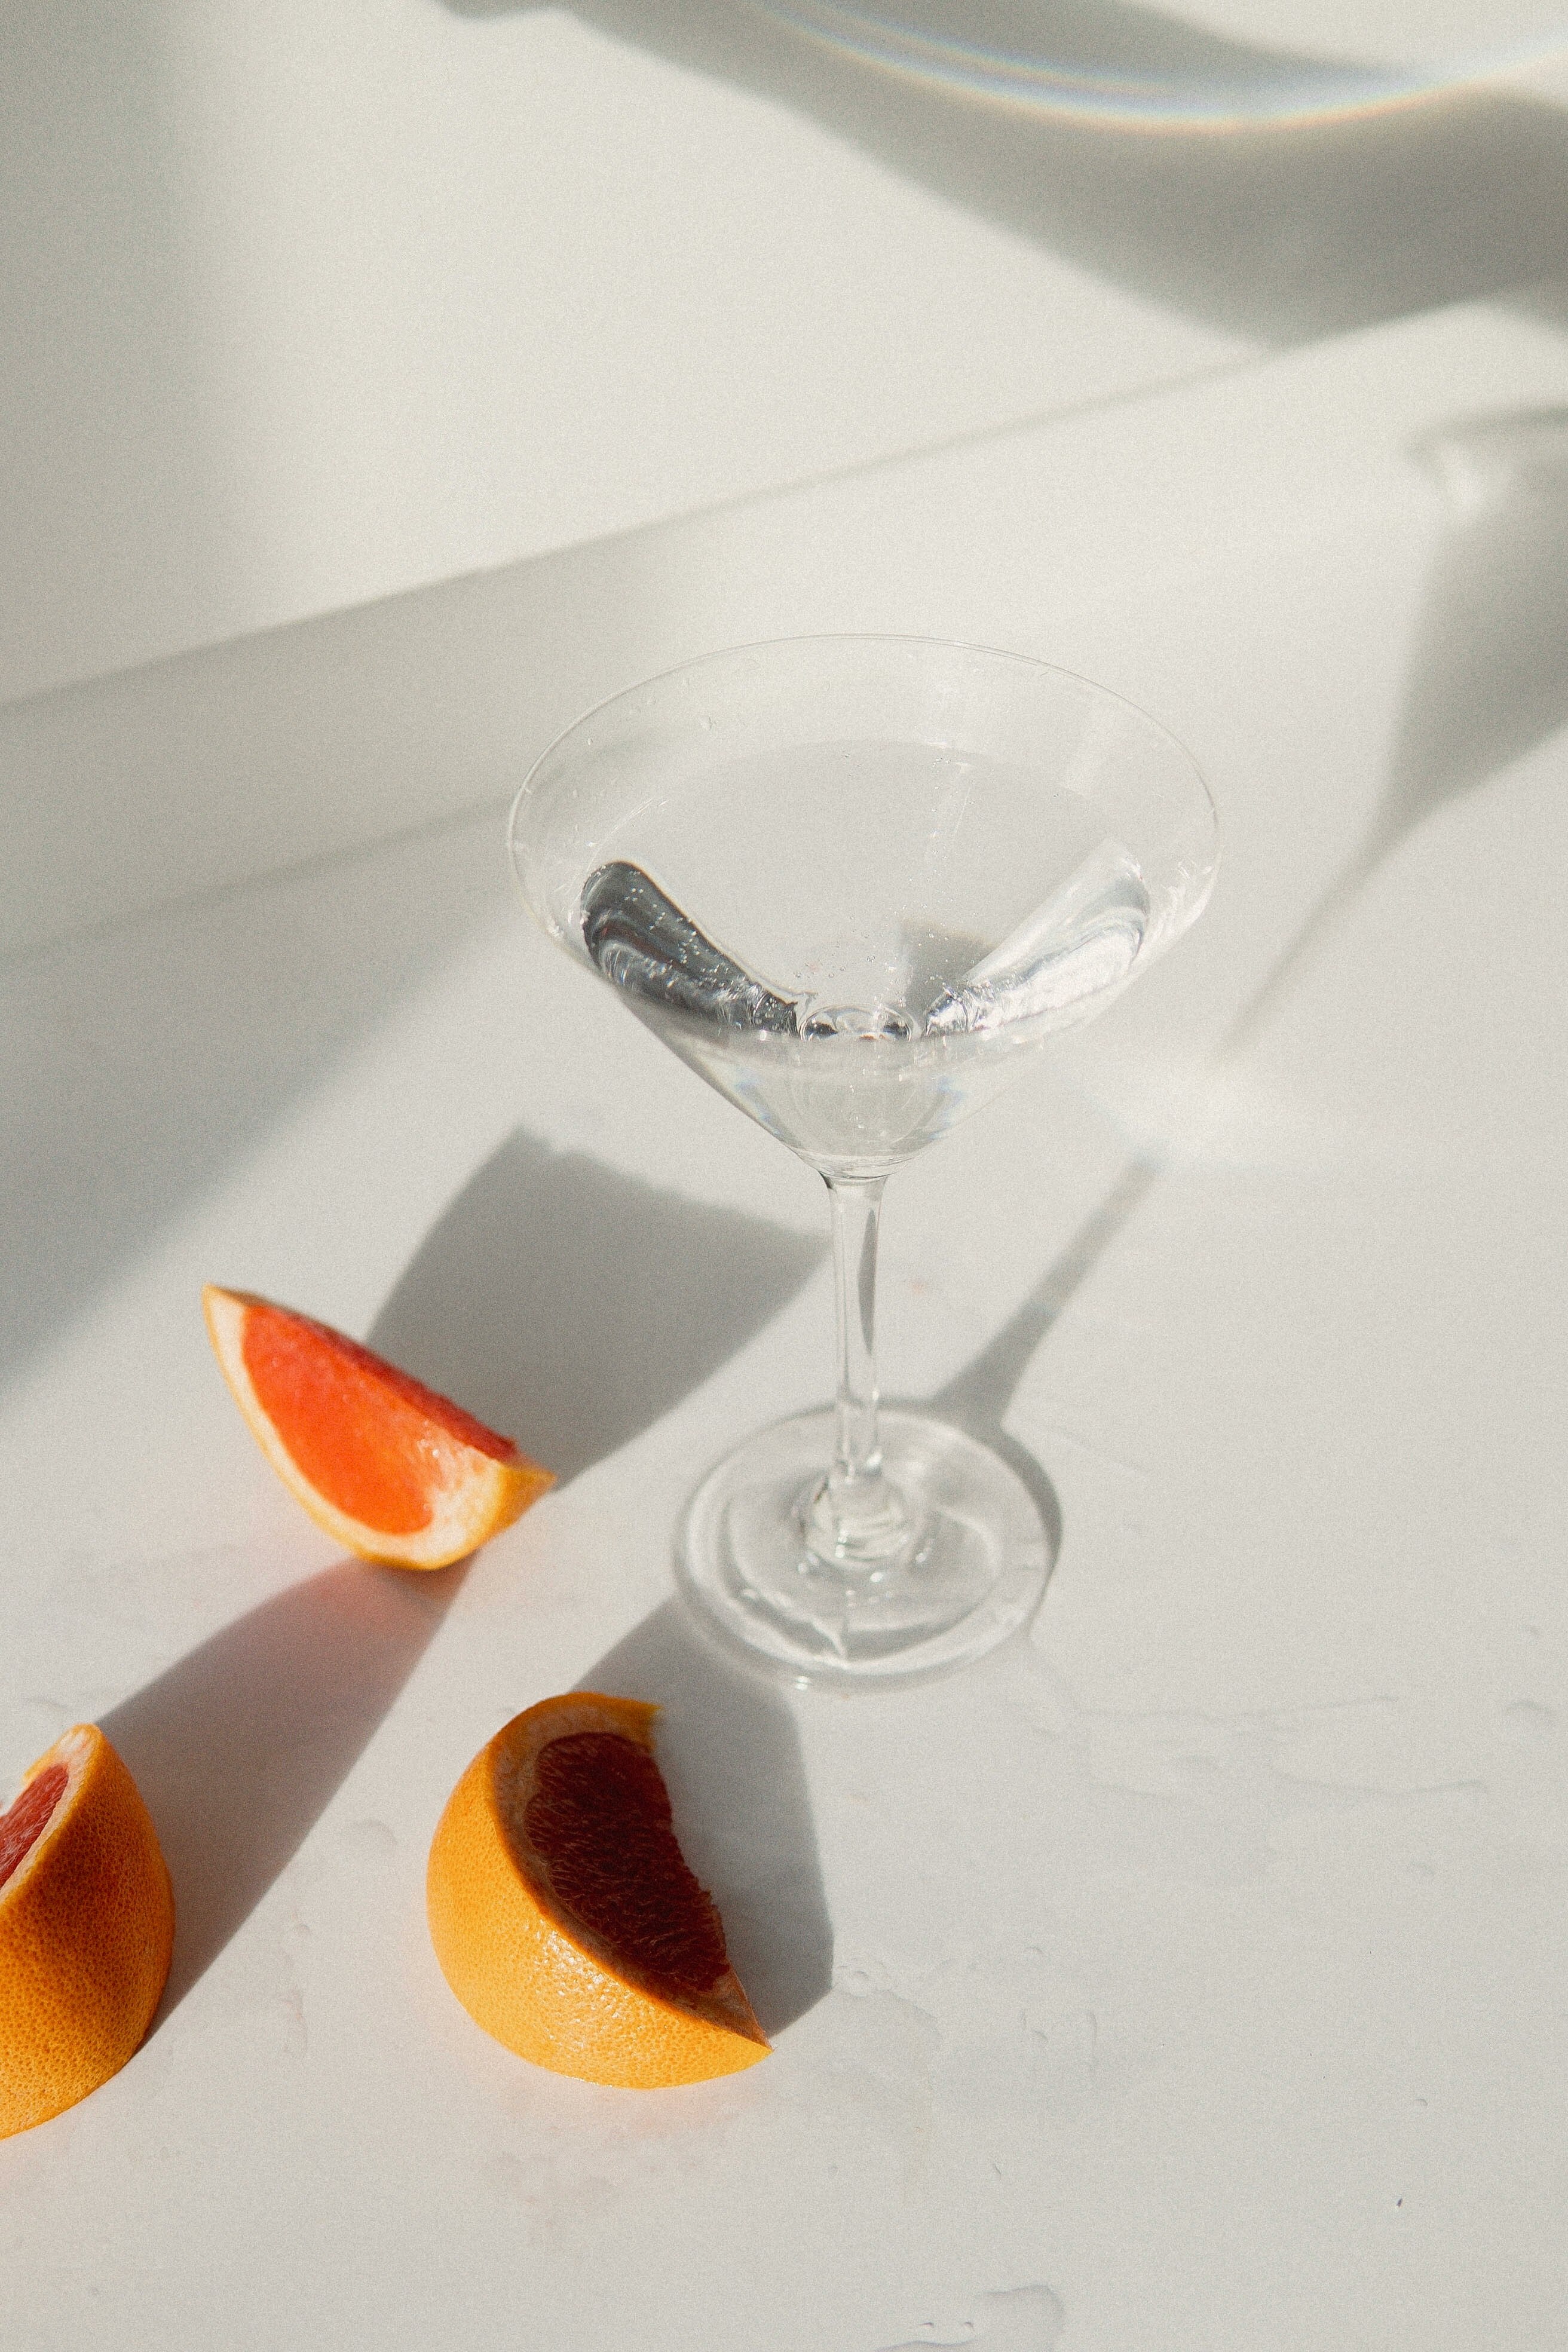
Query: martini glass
(857, 883)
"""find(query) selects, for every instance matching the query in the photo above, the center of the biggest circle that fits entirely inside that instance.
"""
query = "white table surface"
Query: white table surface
(308, 303)
(1187, 1976)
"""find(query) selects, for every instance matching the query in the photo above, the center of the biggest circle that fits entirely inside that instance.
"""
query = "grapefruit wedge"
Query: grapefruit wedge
(563, 1914)
(390, 1469)
(87, 1928)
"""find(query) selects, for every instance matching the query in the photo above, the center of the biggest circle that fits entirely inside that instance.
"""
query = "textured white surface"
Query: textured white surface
(1189, 1976)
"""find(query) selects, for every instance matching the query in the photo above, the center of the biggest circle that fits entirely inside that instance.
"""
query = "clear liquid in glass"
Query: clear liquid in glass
(993, 908)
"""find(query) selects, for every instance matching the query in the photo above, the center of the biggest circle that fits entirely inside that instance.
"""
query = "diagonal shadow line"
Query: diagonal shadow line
(977, 1396)
(140, 1060)
(1490, 674)
(574, 1306)
(1507, 480)
(239, 1747)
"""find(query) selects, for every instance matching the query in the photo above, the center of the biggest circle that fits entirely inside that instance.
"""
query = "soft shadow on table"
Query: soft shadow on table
(555, 1297)
(1489, 674)
(1489, 680)
(573, 1307)
(1268, 195)
(977, 1396)
(731, 1756)
(136, 1062)
(240, 1746)
(1488, 666)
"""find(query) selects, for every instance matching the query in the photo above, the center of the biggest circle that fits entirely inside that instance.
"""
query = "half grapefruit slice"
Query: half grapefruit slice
(390, 1469)
(87, 1928)
(564, 1915)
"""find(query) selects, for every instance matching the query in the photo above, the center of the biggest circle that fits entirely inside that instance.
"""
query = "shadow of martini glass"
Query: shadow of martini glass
(1269, 193)
(1488, 681)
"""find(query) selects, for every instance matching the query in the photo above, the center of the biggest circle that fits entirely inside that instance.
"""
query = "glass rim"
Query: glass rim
(889, 637)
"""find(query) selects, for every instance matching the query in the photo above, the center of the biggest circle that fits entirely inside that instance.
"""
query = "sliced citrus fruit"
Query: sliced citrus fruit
(87, 1927)
(564, 1915)
(389, 1468)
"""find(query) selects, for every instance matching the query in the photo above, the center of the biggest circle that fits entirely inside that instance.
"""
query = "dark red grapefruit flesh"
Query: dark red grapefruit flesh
(599, 1818)
(24, 1825)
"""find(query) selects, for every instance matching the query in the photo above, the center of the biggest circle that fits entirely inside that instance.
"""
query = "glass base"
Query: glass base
(972, 1572)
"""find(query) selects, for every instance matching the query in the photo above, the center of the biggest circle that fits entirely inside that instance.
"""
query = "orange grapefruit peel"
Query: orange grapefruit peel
(390, 1469)
(87, 1928)
(562, 1912)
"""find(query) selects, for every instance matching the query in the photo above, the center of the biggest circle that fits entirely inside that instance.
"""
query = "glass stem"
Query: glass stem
(857, 1518)
(857, 1215)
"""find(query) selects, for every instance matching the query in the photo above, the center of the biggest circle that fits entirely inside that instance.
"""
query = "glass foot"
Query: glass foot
(972, 1572)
